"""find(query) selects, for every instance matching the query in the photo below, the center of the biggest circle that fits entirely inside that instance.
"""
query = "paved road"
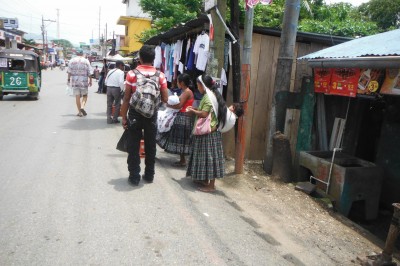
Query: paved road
(65, 200)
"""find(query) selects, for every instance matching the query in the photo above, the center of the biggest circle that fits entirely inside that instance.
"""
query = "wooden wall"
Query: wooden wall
(265, 51)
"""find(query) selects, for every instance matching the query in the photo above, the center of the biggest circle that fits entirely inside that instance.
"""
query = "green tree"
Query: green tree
(386, 13)
(29, 41)
(315, 16)
(168, 13)
(339, 19)
(64, 43)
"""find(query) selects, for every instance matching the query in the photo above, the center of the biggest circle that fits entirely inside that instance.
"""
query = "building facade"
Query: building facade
(135, 22)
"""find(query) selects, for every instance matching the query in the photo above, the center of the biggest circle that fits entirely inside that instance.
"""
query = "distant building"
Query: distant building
(135, 22)
(9, 23)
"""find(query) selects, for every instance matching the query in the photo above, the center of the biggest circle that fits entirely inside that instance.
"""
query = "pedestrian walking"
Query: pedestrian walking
(145, 88)
(79, 79)
(178, 139)
(115, 86)
(206, 160)
(102, 76)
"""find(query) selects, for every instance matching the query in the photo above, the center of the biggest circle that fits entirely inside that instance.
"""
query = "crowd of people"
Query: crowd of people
(181, 129)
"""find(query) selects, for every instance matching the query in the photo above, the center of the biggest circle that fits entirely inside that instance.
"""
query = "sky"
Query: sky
(79, 19)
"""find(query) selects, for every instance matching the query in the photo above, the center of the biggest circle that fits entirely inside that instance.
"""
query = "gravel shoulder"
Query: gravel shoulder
(295, 222)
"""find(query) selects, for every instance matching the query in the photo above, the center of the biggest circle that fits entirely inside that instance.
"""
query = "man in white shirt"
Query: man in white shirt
(115, 85)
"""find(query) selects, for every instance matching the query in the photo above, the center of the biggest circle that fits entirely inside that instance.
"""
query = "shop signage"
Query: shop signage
(391, 85)
(344, 81)
(370, 81)
(322, 79)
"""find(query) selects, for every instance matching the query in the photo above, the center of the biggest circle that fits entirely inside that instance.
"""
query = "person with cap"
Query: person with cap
(115, 82)
(79, 79)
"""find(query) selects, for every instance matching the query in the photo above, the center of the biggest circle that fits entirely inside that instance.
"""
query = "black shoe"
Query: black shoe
(83, 112)
(134, 182)
(147, 179)
(115, 121)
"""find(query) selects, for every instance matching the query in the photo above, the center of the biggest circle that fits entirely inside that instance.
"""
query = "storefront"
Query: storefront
(356, 90)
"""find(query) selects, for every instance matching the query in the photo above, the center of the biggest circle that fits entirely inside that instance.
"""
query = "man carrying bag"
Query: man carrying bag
(145, 88)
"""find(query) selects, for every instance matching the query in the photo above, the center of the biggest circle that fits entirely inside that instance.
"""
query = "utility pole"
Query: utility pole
(99, 21)
(216, 58)
(58, 23)
(244, 89)
(235, 22)
(43, 38)
(282, 77)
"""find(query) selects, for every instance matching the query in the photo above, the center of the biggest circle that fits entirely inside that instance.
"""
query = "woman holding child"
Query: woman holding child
(206, 160)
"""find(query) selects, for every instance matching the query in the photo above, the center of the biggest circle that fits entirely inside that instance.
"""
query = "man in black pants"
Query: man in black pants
(136, 123)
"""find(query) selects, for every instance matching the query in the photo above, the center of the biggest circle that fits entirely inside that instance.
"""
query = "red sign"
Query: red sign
(344, 81)
(322, 79)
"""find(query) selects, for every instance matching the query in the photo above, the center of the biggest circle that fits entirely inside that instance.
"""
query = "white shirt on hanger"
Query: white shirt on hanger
(201, 48)
(158, 58)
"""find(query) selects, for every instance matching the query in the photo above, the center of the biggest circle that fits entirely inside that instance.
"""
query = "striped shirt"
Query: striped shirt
(145, 70)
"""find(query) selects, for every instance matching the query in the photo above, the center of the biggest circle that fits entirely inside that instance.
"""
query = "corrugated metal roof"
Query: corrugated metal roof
(382, 44)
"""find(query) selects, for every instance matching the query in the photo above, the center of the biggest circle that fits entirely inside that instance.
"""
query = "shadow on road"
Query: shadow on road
(85, 123)
(188, 184)
(122, 185)
(18, 98)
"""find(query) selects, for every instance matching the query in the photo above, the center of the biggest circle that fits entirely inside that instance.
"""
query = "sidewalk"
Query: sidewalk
(295, 222)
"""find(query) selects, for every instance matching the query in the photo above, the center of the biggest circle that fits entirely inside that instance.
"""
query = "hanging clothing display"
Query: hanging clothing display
(201, 48)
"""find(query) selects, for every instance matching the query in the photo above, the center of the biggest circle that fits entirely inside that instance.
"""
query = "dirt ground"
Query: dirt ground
(296, 223)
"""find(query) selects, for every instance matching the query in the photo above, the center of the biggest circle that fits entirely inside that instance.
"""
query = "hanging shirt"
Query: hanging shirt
(157, 59)
(190, 62)
(201, 48)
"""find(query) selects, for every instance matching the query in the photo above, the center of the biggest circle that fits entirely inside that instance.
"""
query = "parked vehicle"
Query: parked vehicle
(20, 73)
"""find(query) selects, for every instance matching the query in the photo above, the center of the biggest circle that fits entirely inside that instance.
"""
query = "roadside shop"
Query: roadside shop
(350, 141)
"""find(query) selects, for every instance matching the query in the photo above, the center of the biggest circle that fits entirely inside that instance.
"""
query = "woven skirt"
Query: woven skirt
(179, 139)
(206, 160)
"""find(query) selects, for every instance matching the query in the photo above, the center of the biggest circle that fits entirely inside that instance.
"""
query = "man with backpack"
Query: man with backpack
(145, 88)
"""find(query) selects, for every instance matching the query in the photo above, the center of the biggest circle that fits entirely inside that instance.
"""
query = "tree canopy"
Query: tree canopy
(386, 13)
(339, 19)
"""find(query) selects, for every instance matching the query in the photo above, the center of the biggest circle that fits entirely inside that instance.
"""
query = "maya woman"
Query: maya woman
(206, 160)
(178, 139)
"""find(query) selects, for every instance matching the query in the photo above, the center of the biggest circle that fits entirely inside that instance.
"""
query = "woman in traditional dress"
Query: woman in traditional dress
(178, 139)
(206, 160)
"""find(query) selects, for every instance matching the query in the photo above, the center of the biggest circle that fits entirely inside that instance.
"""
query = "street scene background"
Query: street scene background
(65, 200)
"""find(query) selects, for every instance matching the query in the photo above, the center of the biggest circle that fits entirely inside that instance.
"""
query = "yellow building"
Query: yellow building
(135, 22)
(134, 26)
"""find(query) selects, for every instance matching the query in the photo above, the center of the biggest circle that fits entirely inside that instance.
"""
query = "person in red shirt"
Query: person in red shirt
(136, 123)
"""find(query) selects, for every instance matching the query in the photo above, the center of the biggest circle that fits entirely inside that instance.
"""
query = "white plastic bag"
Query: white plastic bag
(173, 99)
(69, 91)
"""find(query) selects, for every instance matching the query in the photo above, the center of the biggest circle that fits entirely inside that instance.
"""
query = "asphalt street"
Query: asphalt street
(65, 199)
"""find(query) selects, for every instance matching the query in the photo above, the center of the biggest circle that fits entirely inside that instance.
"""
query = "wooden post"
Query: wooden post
(236, 74)
(282, 78)
(244, 90)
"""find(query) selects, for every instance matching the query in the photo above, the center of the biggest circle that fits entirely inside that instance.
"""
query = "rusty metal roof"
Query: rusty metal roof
(382, 44)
